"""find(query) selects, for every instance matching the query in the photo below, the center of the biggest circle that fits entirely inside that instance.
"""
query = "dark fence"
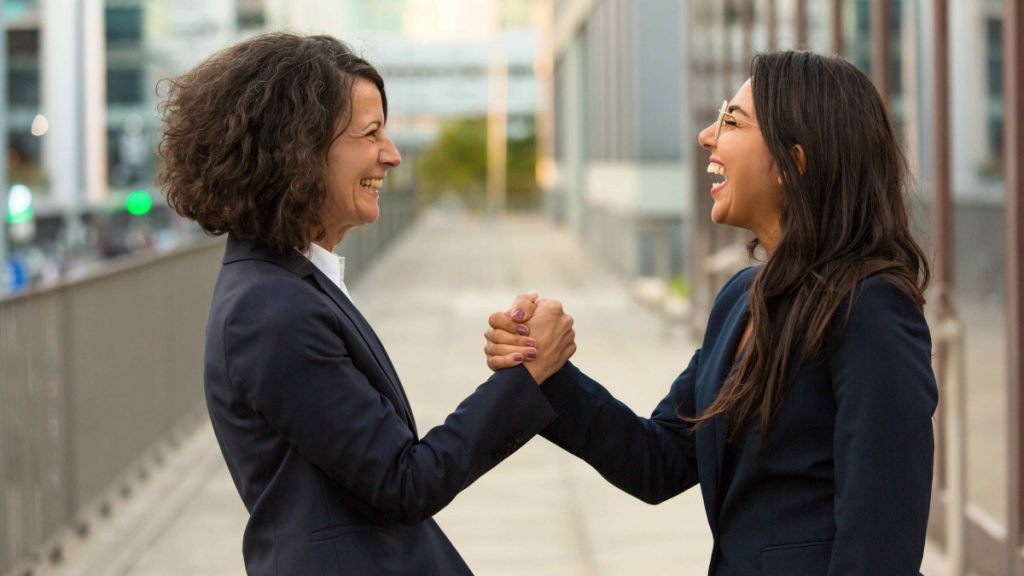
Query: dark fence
(95, 372)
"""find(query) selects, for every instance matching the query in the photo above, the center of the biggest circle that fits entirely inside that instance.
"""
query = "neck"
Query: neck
(768, 237)
(331, 238)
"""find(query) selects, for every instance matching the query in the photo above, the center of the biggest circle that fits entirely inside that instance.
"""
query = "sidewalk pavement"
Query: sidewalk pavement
(539, 512)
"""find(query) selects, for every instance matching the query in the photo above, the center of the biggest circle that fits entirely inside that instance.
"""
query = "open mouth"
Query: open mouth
(371, 183)
(720, 177)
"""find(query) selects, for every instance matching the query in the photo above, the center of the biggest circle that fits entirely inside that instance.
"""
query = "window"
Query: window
(124, 26)
(23, 87)
(124, 86)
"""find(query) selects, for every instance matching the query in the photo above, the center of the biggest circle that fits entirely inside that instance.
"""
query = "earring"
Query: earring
(779, 180)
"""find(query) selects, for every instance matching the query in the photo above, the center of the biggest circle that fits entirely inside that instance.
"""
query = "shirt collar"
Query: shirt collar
(332, 265)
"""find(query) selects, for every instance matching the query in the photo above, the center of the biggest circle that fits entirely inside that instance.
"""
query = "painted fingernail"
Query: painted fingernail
(518, 357)
(523, 330)
(518, 314)
(531, 354)
(531, 343)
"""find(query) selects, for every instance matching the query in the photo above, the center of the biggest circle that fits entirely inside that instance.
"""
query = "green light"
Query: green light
(138, 203)
(21, 217)
(19, 204)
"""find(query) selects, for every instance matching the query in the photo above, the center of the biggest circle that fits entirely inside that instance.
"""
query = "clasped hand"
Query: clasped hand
(534, 330)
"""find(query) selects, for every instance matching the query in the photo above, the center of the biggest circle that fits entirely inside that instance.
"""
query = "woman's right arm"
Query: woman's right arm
(652, 458)
(289, 364)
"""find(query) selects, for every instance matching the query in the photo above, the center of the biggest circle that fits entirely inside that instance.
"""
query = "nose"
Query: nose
(706, 137)
(390, 155)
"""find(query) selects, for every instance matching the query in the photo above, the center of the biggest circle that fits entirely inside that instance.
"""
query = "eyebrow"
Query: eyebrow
(737, 108)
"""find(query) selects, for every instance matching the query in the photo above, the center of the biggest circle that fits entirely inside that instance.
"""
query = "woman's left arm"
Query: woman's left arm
(885, 396)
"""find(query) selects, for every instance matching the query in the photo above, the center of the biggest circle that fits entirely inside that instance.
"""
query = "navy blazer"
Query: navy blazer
(841, 487)
(318, 434)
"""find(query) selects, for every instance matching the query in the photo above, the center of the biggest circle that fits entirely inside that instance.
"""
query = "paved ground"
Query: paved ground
(541, 511)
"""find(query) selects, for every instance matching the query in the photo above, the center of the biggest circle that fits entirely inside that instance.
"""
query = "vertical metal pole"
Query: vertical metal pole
(3, 148)
(772, 24)
(949, 332)
(800, 19)
(880, 47)
(942, 237)
(727, 66)
(697, 31)
(543, 12)
(747, 21)
(5, 532)
(497, 130)
(836, 23)
(1013, 148)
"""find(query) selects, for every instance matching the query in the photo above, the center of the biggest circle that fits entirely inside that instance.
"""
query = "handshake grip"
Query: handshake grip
(535, 331)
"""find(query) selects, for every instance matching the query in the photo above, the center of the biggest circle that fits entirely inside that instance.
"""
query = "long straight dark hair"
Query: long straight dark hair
(843, 219)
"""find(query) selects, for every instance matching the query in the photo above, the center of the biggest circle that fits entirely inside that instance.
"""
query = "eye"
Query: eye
(729, 121)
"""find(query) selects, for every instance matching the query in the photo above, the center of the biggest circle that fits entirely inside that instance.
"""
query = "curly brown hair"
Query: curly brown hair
(246, 136)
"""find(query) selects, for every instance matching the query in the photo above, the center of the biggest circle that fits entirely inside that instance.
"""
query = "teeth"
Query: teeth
(718, 170)
(374, 183)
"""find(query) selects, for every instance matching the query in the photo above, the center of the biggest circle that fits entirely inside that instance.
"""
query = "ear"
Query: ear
(800, 158)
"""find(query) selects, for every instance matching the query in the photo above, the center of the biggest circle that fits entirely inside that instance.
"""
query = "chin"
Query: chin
(718, 216)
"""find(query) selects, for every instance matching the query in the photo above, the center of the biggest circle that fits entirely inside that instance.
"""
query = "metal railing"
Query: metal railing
(97, 371)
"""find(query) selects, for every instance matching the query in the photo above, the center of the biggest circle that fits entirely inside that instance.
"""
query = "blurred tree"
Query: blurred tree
(455, 165)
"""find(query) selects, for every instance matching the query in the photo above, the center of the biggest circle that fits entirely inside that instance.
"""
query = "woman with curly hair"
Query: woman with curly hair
(280, 143)
(805, 416)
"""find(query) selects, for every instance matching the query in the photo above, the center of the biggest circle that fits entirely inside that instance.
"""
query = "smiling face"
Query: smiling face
(357, 163)
(746, 192)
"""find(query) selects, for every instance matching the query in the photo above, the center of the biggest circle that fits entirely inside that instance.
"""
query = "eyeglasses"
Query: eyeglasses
(725, 117)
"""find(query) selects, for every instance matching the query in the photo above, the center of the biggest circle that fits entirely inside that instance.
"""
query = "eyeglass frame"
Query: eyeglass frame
(724, 113)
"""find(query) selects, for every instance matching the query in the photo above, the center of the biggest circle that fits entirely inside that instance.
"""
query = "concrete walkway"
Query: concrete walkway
(541, 511)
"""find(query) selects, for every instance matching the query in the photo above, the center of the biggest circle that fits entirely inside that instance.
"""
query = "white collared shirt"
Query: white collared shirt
(332, 265)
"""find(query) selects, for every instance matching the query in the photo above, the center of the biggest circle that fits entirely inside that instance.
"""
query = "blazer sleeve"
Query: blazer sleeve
(287, 360)
(885, 396)
(652, 458)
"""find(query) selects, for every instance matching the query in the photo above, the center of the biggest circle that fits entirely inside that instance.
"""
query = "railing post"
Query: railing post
(3, 156)
(836, 25)
(942, 202)
(880, 47)
(1013, 148)
(950, 335)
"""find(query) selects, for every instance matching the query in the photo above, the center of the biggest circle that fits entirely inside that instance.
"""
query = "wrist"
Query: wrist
(539, 372)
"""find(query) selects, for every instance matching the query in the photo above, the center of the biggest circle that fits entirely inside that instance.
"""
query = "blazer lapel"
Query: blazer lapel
(712, 442)
(371, 340)
(299, 265)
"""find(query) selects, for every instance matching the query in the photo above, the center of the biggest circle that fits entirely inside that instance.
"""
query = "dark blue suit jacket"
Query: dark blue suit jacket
(842, 486)
(318, 434)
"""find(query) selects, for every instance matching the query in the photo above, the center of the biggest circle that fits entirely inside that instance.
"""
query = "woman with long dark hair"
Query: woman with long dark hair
(805, 416)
